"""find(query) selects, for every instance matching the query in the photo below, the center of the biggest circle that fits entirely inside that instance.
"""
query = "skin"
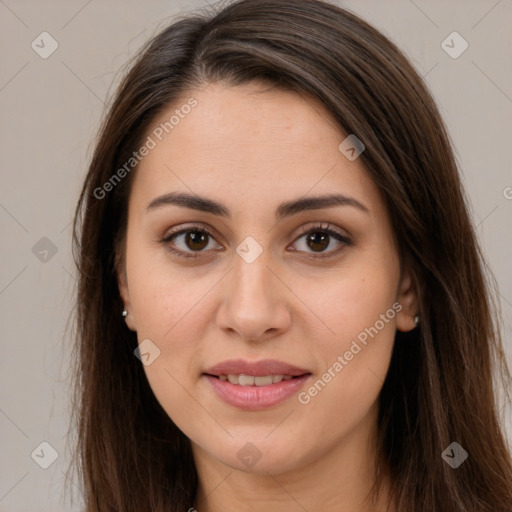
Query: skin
(250, 150)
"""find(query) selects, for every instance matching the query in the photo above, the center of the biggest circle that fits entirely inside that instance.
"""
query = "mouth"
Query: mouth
(254, 380)
(255, 385)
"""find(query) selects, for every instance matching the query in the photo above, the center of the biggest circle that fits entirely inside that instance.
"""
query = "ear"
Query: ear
(408, 298)
(122, 283)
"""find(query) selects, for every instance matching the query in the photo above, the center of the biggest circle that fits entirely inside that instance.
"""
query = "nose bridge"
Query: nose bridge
(251, 276)
(253, 256)
(253, 303)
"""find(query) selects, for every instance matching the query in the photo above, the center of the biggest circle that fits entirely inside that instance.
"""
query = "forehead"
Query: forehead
(248, 143)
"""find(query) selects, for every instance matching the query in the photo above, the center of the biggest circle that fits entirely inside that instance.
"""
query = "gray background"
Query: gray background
(51, 109)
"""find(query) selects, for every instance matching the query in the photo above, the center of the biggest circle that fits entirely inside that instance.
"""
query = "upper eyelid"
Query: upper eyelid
(194, 227)
(303, 230)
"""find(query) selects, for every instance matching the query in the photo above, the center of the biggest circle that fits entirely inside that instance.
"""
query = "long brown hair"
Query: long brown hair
(439, 388)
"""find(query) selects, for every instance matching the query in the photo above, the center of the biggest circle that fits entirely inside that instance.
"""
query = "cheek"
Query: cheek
(162, 294)
(166, 304)
(351, 302)
(359, 316)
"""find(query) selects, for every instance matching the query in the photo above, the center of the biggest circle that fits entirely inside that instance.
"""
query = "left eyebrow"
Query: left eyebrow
(285, 209)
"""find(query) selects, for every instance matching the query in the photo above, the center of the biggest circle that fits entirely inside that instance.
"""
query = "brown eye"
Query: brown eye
(318, 241)
(192, 241)
(186, 242)
(319, 238)
(195, 240)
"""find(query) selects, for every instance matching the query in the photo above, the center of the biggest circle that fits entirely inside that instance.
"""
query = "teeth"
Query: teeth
(251, 380)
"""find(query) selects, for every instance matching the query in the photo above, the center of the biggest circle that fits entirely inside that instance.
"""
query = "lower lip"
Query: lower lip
(253, 398)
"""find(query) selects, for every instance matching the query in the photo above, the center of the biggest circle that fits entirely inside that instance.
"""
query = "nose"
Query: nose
(254, 301)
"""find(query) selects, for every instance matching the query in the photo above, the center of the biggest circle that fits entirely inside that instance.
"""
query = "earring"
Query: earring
(416, 320)
(124, 313)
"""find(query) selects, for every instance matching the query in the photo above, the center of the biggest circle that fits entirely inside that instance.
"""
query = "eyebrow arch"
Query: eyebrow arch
(285, 209)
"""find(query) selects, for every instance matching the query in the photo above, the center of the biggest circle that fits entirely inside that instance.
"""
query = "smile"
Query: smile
(252, 380)
(252, 393)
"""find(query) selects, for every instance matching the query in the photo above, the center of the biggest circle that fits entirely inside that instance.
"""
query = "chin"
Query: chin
(262, 455)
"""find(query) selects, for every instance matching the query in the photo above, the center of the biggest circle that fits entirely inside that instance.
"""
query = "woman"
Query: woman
(282, 302)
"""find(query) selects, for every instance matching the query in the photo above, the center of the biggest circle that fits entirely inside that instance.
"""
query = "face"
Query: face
(245, 281)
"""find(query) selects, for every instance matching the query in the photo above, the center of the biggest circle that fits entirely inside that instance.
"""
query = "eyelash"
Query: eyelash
(320, 227)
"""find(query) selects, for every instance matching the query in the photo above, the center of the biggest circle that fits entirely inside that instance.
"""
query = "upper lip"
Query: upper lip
(255, 368)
